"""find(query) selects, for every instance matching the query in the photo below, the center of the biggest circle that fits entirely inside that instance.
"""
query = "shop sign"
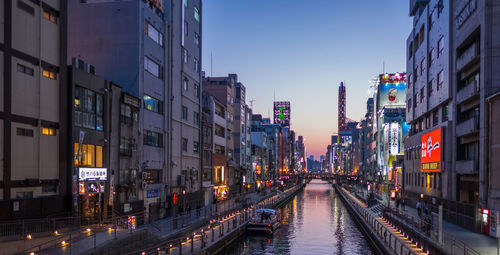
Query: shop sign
(394, 138)
(88, 173)
(430, 151)
(152, 193)
(131, 222)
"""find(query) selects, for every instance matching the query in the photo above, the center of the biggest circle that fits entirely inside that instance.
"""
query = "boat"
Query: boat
(266, 220)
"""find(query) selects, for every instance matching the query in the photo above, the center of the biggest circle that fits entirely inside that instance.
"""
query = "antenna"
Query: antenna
(211, 64)
(251, 102)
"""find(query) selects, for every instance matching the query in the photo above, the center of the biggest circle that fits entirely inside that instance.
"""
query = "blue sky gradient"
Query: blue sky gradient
(300, 50)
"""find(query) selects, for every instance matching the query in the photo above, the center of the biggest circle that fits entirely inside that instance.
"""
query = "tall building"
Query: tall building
(342, 118)
(185, 106)
(35, 179)
(160, 64)
(453, 42)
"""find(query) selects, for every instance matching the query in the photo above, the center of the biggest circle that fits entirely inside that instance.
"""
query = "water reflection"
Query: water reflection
(314, 222)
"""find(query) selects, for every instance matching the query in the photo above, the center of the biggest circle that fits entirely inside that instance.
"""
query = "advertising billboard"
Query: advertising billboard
(282, 113)
(394, 138)
(391, 90)
(430, 151)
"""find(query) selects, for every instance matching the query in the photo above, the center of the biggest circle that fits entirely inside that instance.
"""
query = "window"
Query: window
(184, 144)
(427, 122)
(90, 155)
(440, 80)
(430, 89)
(50, 16)
(127, 114)
(422, 95)
(126, 145)
(153, 104)
(152, 176)
(153, 139)
(410, 81)
(415, 97)
(444, 112)
(153, 67)
(185, 55)
(185, 84)
(219, 131)
(421, 36)
(196, 118)
(422, 67)
(49, 74)
(410, 50)
(49, 131)
(220, 149)
(25, 69)
(197, 39)
(196, 14)
(24, 195)
(26, 7)
(432, 19)
(431, 57)
(186, 28)
(197, 90)
(408, 106)
(196, 146)
(440, 6)
(435, 118)
(153, 33)
(88, 109)
(196, 65)
(185, 3)
(184, 113)
(440, 47)
(24, 132)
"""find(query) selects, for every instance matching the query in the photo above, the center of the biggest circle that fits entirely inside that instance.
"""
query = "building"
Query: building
(368, 161)
(342, 114)
(35, 179)
(95, 141)
(454, 40)
(185, 106)
(207, 130)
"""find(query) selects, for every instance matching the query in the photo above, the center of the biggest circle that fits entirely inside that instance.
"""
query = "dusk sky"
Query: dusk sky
(301, 50)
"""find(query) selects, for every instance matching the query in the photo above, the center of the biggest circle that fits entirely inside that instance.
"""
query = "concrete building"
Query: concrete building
(95, 141)
(457, 39)
(35, 178)
(185, 106)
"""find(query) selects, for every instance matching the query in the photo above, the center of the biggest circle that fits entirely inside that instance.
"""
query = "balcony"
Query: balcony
(466, 166)
(468, 127)
(468, 91)
(470, 54)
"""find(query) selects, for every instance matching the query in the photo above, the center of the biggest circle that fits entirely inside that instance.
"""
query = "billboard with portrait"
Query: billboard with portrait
(430, 151)
(391, 90)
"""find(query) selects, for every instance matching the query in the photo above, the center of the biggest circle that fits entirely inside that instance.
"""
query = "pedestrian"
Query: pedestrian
(426, 209)
(419, 208)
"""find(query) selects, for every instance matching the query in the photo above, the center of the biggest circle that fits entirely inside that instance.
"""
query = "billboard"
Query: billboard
(282, 113)
(430, 151)
(391, 90)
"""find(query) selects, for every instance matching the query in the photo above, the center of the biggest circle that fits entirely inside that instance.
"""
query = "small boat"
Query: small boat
(266, 220)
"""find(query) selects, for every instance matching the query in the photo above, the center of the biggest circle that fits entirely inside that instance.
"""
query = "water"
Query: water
(314, 222)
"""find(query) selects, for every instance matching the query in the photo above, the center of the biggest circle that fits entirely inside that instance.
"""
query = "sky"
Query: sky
(300, 51)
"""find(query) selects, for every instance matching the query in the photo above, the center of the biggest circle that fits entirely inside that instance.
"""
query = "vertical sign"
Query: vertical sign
(430, 151)
(394, 138)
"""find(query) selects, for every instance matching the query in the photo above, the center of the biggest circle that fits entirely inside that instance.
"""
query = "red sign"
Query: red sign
(174, 199)
(430, 151)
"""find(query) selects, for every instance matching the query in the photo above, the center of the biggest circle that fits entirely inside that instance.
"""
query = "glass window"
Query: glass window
(50, 16)
(25, 69)
(49, 131)
(153, 33)
(152, 67)
(185, 84)
(197, 39)
(422, 67)
(445, 113)
(185, 55)
(49, 74)
(24, 132)
(184, 113)
(152, 104)
(196, 147)
(422, 95)
(431, 57)
(196, 118)
(440, 80)
(98, 156)
(153, 139)
(197, 90)
(440, 47)
(186, 28)
(196, 14)
(430, 88)
(87, 155)
(184, 144)
(196, 65)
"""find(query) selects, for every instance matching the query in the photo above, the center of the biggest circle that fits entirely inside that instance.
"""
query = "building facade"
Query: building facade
(34, 138)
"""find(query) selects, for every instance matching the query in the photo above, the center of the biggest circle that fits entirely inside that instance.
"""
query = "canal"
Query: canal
(314, 222)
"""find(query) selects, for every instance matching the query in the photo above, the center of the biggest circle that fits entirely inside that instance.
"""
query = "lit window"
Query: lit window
(49, 74)
(152, 104)
(48, 131)
(50, 16)
(196, 14)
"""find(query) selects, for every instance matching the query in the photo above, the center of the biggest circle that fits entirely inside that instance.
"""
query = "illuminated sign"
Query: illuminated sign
(282, 113)
(152, 193)
(430, 151)
(394, 138)
(88, 173)
(391, 90)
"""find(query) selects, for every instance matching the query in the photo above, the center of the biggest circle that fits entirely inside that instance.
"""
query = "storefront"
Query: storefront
(92, 184)
(221, 192)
